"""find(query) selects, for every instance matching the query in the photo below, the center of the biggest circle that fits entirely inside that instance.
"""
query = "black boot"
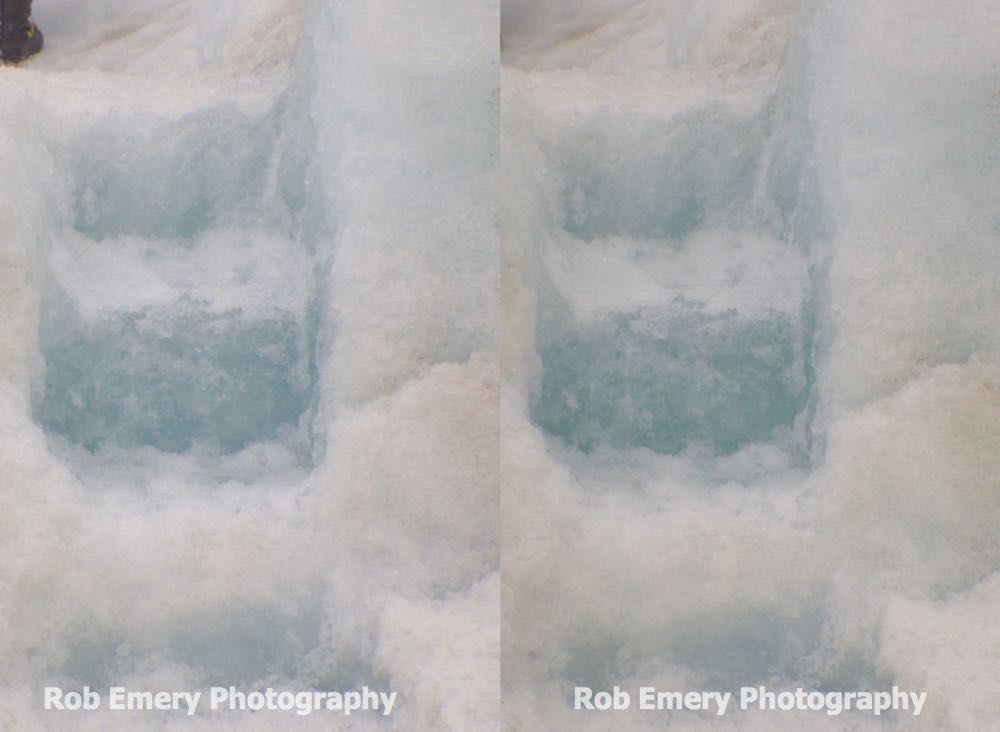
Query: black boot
(19, 37)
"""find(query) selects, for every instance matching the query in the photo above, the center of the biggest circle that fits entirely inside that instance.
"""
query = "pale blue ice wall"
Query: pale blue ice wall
(704, 197)
(224, 210)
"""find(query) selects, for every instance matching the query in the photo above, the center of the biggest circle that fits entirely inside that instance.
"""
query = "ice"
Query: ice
(678, 295)
(664, 387)
(182, 305)
(246, 391)
(749, 354)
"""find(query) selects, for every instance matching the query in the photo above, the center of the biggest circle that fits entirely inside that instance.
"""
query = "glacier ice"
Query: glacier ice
(248, 364)
(246, 381)
(749, 353)
(690, 204)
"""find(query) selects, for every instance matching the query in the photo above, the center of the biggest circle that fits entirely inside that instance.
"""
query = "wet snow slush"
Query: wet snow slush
(248, 414)
(751, 300)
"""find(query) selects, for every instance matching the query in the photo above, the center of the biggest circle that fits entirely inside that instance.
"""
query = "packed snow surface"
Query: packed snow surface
(248, 407)
(751, 356)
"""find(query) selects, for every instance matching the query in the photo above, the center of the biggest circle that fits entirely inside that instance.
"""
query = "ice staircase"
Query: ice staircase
(179, 292)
